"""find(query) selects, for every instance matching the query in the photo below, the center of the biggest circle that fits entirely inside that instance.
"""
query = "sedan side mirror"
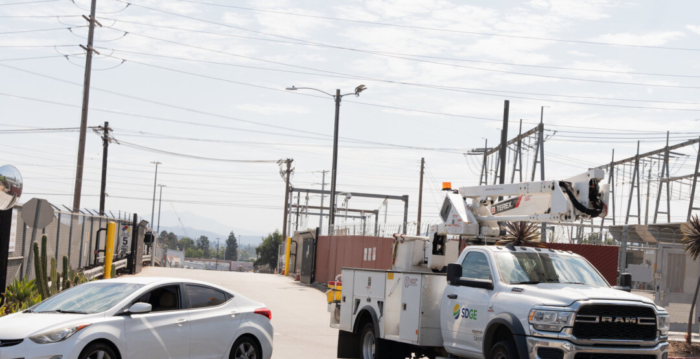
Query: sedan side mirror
(140, 308)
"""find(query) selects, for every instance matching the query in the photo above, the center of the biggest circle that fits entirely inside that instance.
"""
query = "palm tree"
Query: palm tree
(521, 234)
(691, 241)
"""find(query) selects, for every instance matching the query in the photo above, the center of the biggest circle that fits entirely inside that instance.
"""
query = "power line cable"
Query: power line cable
(373, 52)
(398, 82)
(38, 30)
(441, 29)
(28, 2)
(424, 61)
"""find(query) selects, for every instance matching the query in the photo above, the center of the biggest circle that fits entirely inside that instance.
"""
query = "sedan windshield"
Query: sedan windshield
(533, 268)
(87, 298)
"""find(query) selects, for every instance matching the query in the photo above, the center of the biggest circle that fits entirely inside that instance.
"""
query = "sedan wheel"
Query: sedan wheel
(98, 351)
(99, 354)
(245, 348)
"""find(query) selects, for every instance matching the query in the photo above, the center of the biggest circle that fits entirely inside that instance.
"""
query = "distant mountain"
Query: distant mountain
(195, 233)
(196, 226)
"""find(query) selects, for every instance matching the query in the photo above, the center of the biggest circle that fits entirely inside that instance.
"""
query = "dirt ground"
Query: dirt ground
(682, 349)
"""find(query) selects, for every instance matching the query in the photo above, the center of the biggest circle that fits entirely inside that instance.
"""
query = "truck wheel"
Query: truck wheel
(368, 342)
(504, 350)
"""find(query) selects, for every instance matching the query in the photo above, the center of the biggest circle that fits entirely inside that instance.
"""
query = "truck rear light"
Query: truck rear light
(265, 312)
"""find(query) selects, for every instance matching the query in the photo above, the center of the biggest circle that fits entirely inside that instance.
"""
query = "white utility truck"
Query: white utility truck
(497, 301)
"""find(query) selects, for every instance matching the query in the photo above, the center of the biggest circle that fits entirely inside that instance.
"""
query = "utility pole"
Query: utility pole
(155, 181)
(84, 114)
(334, 170)
(420, 195)
(504, 144)
(323, 188)
(160, 199)
(105, 146)
(288, 161)
(540, 148)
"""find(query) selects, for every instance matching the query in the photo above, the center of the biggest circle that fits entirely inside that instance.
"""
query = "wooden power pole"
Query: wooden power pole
(84, 114)
(105, 147)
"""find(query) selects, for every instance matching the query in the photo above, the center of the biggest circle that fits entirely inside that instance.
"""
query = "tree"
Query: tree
(186, 243)
(691, 242)
(231, 248)
(268, 249)
(193, 252)
(203, 245)
(172, 241)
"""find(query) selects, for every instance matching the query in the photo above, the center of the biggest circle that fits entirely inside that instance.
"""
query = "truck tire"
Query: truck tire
(504, 350)
(368, 342)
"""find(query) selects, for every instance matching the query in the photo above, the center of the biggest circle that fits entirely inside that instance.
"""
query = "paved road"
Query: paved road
(298, 312)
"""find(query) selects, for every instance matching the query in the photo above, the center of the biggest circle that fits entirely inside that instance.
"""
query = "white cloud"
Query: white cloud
(649, 39)
(579, 53)
(273, 109)
(574, 9)
(236, 19)
(694, 28)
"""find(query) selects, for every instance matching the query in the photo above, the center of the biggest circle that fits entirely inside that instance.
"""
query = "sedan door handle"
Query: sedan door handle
(233, 314)
(452, 296)
(181, 322)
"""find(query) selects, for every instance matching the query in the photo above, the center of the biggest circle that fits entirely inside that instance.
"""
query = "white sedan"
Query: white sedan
(139, 317)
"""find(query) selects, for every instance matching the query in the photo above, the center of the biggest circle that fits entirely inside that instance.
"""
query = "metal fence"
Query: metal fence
(72, 235)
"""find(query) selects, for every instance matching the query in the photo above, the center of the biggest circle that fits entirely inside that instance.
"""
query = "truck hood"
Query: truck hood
(561, 294)
(23, 325)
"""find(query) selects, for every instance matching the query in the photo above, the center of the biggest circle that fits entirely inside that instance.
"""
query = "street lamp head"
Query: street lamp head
(359, 89)
(291, 88)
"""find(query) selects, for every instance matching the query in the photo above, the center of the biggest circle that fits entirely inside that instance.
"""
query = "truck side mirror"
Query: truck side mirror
(148, 238)
(454, 273)
(625, 282)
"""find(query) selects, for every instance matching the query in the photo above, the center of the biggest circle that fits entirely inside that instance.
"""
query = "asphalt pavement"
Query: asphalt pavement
(299, 315)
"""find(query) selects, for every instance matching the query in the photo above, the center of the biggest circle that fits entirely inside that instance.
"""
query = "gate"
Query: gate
(307, 261)
(676, 276)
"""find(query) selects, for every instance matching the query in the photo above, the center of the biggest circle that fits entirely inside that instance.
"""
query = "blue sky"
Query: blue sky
(457, 61)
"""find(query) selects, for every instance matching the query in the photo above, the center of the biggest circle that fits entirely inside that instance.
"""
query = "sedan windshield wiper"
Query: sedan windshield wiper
(527, 282)
(574, 283)
(64, 311)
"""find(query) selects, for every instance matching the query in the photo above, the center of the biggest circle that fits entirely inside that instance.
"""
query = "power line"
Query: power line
(397, 82)
(439, 29)
(373, 52)
(32, 58)
(150, 149)
(423, 61)
(28, 2)
(39, 30)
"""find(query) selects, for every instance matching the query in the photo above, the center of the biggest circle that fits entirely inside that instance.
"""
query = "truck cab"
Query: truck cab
(506, 302)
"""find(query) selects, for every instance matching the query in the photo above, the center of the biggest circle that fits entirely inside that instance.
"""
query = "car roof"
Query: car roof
(160, 280)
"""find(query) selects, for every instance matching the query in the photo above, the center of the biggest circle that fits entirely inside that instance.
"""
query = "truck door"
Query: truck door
(465, 314)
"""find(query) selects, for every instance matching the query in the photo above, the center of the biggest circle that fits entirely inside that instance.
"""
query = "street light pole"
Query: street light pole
(155, 182)
(338, 98)
(334, 170)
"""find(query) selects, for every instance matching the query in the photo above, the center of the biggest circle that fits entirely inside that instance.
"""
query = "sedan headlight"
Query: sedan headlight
(56, 336)
(663, 324)
(551, 321)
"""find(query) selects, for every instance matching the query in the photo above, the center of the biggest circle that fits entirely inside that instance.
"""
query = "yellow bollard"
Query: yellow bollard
(109, 249)
(286, 255)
